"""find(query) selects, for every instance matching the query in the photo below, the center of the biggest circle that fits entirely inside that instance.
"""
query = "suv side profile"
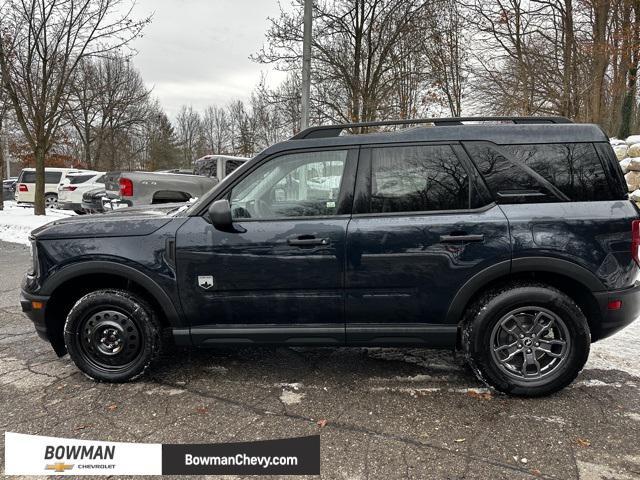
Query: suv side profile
(511, 239)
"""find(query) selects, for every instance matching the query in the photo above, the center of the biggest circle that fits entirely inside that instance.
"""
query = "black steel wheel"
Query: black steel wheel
(528, 339)
(112, 335)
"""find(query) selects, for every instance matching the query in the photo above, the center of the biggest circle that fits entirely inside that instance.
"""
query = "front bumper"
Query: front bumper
(615, 320)
(36, 315)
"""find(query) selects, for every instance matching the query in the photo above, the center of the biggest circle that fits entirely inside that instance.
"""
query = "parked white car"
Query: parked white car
(26, 185)
(74, 185)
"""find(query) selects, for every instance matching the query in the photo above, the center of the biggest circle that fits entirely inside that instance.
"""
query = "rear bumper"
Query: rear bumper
(69, 206)
(35, 315)
(615, 320)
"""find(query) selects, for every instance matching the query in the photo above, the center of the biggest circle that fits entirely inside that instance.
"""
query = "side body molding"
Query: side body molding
(98, 267)
(519, 265)
(559, 266)
(473, 285)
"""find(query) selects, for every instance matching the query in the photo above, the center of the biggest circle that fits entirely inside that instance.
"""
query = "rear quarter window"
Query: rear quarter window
(76, 179)
(574, 169)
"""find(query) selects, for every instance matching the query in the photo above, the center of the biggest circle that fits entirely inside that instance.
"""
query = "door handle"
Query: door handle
(307, 241)
(461, 238)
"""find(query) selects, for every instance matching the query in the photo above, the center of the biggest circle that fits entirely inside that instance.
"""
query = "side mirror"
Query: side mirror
(220, 215)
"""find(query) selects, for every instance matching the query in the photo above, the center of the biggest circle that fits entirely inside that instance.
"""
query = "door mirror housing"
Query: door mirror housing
(220, 215)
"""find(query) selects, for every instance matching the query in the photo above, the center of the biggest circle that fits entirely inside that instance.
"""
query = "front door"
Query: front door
(278, 276)
(422, 226)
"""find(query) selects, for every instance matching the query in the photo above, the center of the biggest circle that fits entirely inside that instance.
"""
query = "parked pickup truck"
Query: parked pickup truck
(126, 189)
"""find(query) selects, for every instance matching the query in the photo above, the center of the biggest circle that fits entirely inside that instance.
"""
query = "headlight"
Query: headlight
(34, 257)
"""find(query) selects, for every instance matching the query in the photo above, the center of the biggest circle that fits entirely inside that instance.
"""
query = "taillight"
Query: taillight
(635, 240)
(126, 187)
(22, 188)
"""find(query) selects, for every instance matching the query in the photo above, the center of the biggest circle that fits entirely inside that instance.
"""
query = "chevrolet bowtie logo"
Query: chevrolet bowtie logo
(59, 467)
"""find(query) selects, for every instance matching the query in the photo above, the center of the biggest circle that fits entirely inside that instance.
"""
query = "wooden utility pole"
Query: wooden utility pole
(306, 63)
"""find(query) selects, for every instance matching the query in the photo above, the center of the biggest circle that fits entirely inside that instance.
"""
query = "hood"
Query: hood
(128, 222)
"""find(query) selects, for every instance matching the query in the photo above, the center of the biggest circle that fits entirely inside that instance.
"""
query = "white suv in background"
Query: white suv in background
(74, 185)
(26, 184)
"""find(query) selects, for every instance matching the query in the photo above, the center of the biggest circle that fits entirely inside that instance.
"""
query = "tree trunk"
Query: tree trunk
(600, 57)
(567, 59)
(39, 208)
(2, 160)
(629, 100)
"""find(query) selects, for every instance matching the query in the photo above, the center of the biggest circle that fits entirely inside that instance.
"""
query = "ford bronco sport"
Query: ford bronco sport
(511, 239)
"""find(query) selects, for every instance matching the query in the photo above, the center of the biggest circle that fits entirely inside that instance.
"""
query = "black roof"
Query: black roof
(524, 130)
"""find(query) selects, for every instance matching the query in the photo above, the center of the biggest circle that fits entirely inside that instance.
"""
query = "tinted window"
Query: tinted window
(75, 179)
(29, 176)
(507, 182)
(231, 165)
(415, 179)
(574, 169)
(296, 185)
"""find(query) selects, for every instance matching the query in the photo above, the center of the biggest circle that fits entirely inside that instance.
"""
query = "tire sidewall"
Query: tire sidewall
(136, 309)
(491, 312)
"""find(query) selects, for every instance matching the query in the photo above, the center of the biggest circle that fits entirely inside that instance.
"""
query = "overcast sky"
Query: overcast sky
(195, 52)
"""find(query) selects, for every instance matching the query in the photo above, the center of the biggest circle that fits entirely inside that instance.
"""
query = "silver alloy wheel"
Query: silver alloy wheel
(530, 343)
(50, 201)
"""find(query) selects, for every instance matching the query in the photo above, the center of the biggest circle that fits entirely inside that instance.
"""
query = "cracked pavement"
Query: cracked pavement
(390, 413)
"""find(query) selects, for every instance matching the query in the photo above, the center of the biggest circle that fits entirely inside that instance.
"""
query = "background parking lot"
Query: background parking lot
(381, 413)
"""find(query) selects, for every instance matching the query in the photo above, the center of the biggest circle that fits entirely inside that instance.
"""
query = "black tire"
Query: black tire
(112, 335)
(493, 350)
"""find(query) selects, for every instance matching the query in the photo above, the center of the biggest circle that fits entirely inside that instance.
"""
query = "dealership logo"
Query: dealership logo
(80, 452)
(59, 467)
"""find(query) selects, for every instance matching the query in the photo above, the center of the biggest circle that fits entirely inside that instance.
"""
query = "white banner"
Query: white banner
(37, 455)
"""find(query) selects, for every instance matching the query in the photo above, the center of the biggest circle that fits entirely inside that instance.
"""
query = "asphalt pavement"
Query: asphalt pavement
(381, 413)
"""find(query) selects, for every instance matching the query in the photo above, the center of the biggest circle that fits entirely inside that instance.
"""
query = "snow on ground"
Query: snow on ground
(17, 222)
(619, 352)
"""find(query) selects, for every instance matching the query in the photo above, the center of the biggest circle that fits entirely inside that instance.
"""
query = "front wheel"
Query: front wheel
(528, 340)
(112, 335)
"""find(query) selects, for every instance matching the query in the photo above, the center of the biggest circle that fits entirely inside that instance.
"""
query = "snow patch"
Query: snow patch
(619, 352)
(16, 223)
(633, 416)
(291, 398)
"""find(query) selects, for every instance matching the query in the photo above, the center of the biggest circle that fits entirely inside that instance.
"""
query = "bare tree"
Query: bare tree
(108, 102)
(190, 137)
(353, 47)
(42, 44)
(215, 128)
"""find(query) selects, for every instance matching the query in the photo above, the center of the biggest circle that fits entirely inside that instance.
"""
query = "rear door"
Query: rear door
(279, 275)
(423, 225)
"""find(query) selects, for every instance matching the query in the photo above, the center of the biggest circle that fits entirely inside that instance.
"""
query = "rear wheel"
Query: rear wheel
(112, 335)
(51, 200)
(528, 339)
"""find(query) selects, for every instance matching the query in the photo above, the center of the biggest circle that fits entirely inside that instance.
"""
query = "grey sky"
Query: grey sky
(195, 52)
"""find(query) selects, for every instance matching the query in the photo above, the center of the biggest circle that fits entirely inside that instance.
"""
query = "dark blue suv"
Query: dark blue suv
(511, 239)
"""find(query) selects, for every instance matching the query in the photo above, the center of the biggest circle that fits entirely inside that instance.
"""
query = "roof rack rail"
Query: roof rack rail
(325, 131)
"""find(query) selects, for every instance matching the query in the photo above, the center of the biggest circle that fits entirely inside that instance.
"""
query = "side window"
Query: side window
(231, 165)
(52, 177)
(507, 182)
(418, 179)
(294, 185)
(573, 168)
